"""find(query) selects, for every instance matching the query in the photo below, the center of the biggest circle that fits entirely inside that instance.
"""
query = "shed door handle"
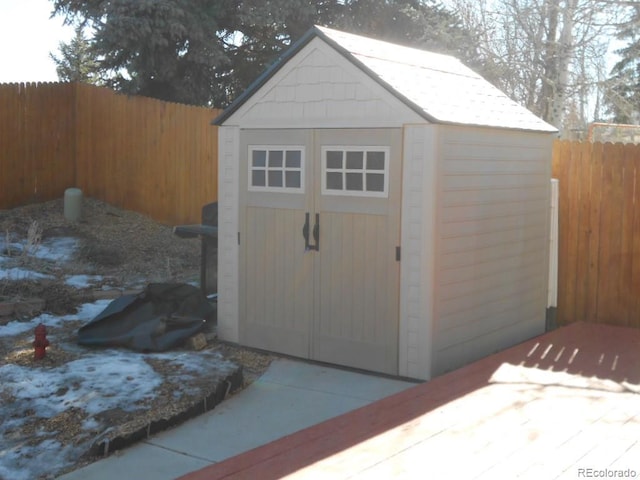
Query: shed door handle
(316, 233)
(305, 231)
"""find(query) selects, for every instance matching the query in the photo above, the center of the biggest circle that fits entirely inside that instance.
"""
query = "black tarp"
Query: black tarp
(159, 318)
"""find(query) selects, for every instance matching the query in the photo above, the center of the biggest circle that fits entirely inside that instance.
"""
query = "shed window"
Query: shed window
(356, 171)
(276, 169)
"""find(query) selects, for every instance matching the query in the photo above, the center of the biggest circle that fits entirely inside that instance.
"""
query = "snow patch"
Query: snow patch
(88, 383)
(86, 311)
(17, 273)
(55, 249)
(82, 281)
(100, 380)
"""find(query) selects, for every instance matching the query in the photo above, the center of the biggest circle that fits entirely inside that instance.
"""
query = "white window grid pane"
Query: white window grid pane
(275, 169)
(365, 190)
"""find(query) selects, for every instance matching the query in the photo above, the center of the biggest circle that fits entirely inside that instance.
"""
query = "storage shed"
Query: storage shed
(381, 207)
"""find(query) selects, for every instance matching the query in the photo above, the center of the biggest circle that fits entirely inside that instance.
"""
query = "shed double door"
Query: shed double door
(320, 230)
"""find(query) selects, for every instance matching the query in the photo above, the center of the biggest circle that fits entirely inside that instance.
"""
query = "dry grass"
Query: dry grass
(128, 250)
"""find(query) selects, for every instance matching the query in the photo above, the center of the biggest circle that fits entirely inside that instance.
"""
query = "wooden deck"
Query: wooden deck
(552, 407)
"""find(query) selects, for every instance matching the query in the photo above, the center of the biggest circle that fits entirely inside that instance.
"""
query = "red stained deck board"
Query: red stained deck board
(587, 349)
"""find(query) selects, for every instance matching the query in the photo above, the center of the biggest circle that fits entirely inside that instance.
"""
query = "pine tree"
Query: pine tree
(623, 97)
(76, 62)
(206, 52)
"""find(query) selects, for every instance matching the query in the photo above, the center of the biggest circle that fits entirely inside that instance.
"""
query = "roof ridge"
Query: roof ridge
(425, 67)
(438, 87)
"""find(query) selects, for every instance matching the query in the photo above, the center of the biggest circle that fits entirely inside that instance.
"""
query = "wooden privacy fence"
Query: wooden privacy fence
(136, 153)
(160, 159)
(599, 232)
(37, 151)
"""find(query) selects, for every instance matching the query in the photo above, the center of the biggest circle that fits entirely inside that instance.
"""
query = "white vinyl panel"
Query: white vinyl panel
(358, 239)
(491, 253)
(255, 268)
(492, 166)
(290, 223)
(456, 314)
(485, 343)
(385, 296)
(356, 311)
(457, 334)
(467, 244)
(507, 277)
(466, 138)
(361, 287)
(268, 256)
(419, 253)
(492, 196)
(481, 211)
(496, 226)
(276, 274)
(280, 284)
(319, 88)
(338, 304)
(342, 226)
(479, 272)
(332, 280)
(278, 299)
(372, 245)
(228, 227)
(506, 180)
(493, 224)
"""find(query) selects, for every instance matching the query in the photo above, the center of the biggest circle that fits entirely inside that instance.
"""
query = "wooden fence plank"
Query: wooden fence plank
(160, 159)
(595, 182)
(582, 175)
(36, 142)
(136, 153)
(634, 290)
(561, 169)
(626, 301)
(610, 226)
(570, 228)
(599, 232)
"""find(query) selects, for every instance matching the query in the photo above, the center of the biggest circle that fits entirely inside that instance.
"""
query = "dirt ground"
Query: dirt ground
(128, 250)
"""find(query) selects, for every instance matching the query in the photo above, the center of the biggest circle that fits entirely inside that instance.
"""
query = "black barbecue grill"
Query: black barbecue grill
(208, 233)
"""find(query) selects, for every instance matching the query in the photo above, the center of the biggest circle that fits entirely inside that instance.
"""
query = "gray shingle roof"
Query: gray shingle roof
(438, 87)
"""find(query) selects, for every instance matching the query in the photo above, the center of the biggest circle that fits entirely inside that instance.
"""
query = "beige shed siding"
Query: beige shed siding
(320, 89)
(492, 245)
(417, 232)
(228, 250)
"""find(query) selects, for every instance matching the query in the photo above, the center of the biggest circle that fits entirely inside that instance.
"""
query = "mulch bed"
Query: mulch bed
(127, 250)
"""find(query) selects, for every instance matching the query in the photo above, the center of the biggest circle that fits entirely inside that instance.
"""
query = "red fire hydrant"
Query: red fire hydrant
(41, 343)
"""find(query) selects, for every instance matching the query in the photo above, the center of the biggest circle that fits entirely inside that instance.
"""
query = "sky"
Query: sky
(27, 36)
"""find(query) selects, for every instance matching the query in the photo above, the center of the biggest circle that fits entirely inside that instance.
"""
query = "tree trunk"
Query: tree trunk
(549, 80)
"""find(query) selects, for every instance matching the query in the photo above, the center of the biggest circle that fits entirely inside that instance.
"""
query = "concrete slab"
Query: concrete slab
(290, 396)
(139, 461)
(329, 379)
(266, 412)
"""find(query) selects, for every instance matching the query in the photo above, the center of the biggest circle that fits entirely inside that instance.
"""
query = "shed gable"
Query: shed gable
(319, 88)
